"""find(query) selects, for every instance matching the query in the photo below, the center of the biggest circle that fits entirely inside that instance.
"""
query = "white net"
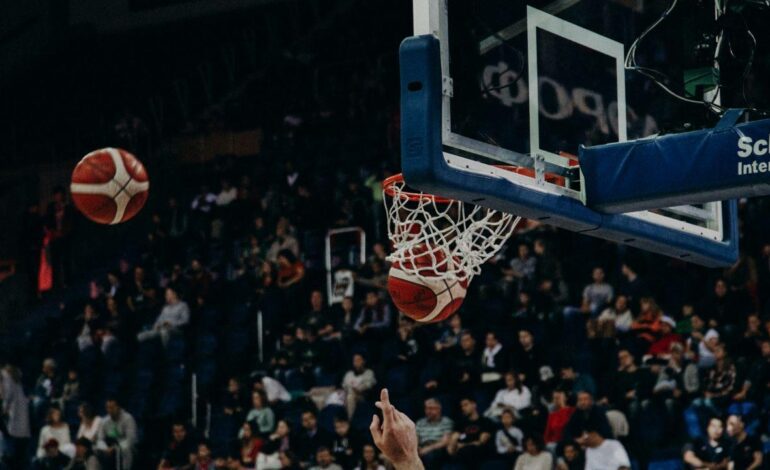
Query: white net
(435, 237)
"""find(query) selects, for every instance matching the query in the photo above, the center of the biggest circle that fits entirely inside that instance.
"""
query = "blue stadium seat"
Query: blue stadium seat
(170, 402)
(362, 417)
(495, 465)
(174, 352)
(397, 380)
(326, 416)
(671, 464)
(206, 345)
(206, 372)
(239, 315)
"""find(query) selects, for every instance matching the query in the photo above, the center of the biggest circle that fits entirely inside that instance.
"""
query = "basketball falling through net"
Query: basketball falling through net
(439, 244)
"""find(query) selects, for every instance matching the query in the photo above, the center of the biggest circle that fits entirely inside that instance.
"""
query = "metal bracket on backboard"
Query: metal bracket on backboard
(447, 86)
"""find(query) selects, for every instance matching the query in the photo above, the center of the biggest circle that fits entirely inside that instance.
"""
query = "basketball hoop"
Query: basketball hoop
(437, 237)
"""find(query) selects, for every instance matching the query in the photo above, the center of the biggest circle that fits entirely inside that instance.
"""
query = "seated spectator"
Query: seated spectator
(647, 325)
(587, 416)
(760, 374)
(450, 334)
(595, 295)
(745, 450)
(174, 315)
(571, 458)
(71, 388)
(465, 371)
(433, 432)
(707, 348)
(574, 381)
(750, 343)
(515, 397)
(603, 453)
(117, 435)
(290, 270)
(261, 414)
(274, 390)
(84, 458)
(250, 445)
(83, 325)
(317, 317)
(369, 459)
(374, 317)
(281, 438)
(558, 418)
(47, 388)
(89, 423)
(472, 440)
(403, 349)
(720, 381)
(616, 318)
(324, 460)
(528, 358)
(227, 194)
(180, 451)
(289, 461)
(344, 319)
(667, 337)
(711, 452)
(509, 439)
(494, 362)
(310, 438)
(203, 459)
(52, 458)
(55, 430)
(357, 383)
(283, 240)
(233, 401)
(522, 268)
(623, 383)
(16, 417)
(344, 445)
(535, 457)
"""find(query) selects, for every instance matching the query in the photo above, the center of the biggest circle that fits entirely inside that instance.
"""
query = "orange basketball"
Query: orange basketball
(109, 186)
(427, 298)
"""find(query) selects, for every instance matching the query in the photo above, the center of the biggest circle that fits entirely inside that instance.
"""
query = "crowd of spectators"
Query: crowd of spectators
(536, 371)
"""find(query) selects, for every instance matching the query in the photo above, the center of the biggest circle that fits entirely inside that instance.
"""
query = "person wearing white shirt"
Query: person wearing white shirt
(535, 458)
(604, 454)
(509, 439)
(515, 396)
(89, 422)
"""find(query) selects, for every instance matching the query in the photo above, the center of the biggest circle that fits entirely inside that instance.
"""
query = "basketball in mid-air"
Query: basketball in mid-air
(426, 298)
(109, 186)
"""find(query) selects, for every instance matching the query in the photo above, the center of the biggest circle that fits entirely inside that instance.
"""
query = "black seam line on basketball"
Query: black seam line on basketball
(122, 188)
(449, 289)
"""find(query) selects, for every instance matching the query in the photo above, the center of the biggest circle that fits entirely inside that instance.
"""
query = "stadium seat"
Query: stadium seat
(672, 464)
(328, 413)
(206, 345)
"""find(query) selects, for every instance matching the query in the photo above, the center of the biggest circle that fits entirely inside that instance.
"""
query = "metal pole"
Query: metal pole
(208, 420)
(260, 337)
(194, 399)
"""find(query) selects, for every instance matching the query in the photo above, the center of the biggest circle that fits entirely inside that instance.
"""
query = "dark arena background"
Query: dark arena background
(241, 320)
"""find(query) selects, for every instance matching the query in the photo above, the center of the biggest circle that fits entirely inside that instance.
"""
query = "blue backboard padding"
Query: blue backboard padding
(425, 168)
(687, 168)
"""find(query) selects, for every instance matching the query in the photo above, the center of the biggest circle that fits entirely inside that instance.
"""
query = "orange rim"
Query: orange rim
(389, 182)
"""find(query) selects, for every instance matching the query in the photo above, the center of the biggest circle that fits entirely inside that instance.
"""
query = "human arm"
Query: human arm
(691, 459)
(395, 435)
(298, 276)
(385, 322)
(757, 462)
(440, 444)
